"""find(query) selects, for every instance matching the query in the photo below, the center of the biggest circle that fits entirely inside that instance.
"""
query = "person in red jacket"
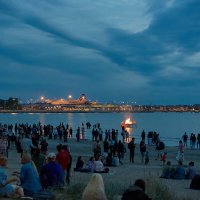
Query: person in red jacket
(63, 159)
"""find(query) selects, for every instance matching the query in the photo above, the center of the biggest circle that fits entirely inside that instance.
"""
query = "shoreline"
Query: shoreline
(91, 111)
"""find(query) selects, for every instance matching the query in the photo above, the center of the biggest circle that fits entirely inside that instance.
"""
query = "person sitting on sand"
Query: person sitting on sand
(89, 166)
(191, 171)
(136, 191)
(6, 188)
(95, 189)
(115, 160)
(79, 163)
(168, 171)
(51, 174)
(99, 166)
(29, 178)
(179, 172)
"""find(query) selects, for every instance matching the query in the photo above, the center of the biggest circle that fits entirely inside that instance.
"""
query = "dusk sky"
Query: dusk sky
(143, 51)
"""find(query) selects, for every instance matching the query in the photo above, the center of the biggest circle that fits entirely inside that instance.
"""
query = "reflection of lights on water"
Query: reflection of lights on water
(129, 130)
(13, 113)
(42, 118)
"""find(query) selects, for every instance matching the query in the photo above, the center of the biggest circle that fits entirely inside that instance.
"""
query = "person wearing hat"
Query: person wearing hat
(51, 174)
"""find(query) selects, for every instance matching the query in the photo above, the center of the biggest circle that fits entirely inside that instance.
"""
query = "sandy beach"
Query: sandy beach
(128, 172)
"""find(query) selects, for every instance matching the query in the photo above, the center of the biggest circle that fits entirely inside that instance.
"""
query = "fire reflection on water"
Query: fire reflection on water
(129, 136)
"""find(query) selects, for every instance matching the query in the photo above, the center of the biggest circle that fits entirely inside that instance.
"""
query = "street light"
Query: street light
(42, 98)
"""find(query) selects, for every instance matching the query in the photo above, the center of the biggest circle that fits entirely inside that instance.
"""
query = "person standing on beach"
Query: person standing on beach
(180, 156)
(63, 160)
(185, 139)
(78, 132)
(26, 144)
(69, 166)
(143, 135)
(131, 146)
(198, 141)
(142, 149)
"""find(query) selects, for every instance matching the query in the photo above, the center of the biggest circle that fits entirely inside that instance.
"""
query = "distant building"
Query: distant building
(80, 101)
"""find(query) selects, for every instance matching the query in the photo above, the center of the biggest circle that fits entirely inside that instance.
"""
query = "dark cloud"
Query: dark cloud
(170, 38)
(179, 26)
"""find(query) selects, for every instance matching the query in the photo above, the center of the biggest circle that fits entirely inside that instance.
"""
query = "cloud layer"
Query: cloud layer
(109, 50)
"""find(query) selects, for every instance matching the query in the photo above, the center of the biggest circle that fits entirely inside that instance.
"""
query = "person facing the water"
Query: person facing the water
(131, 146)
(142, 150)
(26, 144)
(180, 155)
(185, 140)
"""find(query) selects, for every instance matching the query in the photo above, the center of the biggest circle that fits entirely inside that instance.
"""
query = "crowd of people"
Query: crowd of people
(52, 169)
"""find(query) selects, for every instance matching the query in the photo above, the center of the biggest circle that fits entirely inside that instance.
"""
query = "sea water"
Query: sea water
(170, 126)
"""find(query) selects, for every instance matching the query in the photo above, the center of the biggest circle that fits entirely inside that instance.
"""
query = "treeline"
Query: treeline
(10, 104)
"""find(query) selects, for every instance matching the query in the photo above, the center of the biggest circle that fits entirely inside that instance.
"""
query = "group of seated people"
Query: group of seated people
(33, 177)
(97, 163)
(95, 190)
(178, 172)
(92, 165)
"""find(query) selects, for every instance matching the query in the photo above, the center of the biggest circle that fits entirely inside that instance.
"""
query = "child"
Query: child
(164, 157)
(6, 188)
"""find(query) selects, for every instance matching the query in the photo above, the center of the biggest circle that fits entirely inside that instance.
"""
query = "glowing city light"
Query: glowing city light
(42, 98)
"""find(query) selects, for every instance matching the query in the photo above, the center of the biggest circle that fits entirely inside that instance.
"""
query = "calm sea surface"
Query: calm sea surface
(170, 126)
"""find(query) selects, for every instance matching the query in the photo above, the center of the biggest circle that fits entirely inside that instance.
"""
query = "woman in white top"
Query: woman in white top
(99, 166)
